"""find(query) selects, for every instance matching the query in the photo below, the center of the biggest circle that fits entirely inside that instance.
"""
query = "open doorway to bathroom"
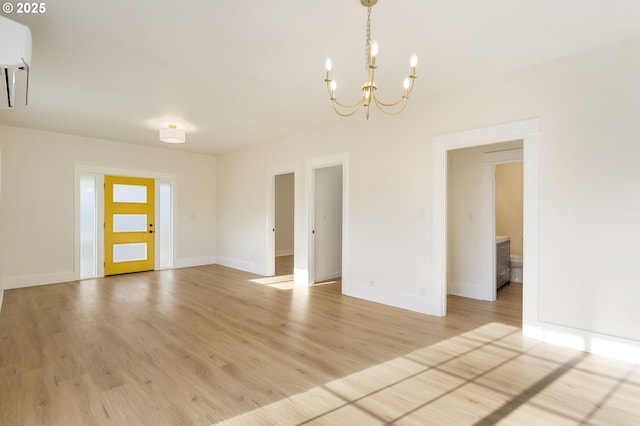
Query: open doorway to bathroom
(478, 263)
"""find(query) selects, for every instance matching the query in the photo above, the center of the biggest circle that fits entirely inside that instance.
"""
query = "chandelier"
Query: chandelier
(369, 87)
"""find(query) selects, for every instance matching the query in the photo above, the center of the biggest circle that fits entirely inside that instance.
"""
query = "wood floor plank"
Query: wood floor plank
(213, 345)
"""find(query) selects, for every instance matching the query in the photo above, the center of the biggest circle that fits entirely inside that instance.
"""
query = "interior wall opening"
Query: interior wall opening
(284, 224)
(478, 252)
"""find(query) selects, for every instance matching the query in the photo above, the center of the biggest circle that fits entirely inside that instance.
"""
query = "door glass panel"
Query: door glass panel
(129, 193)
(88, 230)
(129, 252)
(165, 225)
(129, 222)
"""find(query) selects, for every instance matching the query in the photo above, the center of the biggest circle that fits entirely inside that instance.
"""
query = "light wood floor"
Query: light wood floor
(210, 344)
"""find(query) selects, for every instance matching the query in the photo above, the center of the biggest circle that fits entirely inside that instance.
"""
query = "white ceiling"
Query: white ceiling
(237, 73)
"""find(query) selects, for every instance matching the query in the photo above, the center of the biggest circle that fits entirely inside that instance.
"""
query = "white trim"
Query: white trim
(488, 135)
(194, 261)
(272, 172)
(100, 219)
(488, 232)
(412, 302)
(504, 156)
(42, 279)
(329, 276)
(286, 252)
(583, 340)
(531, 232)
(111, 171)
(525, 130)
(310, 167)
(1, 295)
(241, 265)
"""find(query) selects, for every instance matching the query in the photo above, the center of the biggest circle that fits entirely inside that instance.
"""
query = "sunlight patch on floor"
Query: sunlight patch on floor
(489, 375)
(284, 282)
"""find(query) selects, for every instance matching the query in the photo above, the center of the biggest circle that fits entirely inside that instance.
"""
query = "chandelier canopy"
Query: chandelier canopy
(369, 87)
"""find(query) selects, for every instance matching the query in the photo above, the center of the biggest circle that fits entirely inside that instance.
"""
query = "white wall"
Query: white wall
(284, 214)
(38, 200)
(509, 203)
(589, 106)
(328, 223)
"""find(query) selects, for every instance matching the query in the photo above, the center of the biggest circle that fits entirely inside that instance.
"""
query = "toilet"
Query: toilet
(516, 268)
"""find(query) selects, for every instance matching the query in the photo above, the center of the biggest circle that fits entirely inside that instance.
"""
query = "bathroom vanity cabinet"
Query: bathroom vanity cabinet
(503, 269)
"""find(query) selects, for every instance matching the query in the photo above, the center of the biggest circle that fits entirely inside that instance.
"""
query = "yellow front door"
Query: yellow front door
(128, 225)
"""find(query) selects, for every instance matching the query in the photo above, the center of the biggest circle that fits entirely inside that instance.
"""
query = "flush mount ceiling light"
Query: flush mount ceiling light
(172, 134)
(369, 87)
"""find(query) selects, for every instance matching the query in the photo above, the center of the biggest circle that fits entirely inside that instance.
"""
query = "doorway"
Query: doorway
(472, 265)
(326, 187)
(529, 132)
(284, 224)
(90, 221)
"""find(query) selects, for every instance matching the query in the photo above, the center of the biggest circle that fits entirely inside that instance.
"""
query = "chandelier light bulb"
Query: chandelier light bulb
(413, 62)
(328, 64)
(406, 83)
(374, 49)
(333, 85)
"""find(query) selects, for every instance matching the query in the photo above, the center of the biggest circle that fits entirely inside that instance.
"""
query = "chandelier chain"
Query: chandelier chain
(367, 47)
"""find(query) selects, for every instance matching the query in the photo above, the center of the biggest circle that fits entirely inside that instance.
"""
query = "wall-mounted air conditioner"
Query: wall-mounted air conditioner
(15, 59)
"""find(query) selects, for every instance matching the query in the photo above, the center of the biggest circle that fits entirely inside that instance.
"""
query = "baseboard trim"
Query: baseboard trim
(241, 265)
(411, 302)
(330, 276)
(36, 280)
(470, 290)
(583, 340)
(194, 261)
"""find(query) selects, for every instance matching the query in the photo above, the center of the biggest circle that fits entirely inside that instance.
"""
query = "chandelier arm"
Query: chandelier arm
(383, 107)
(345, 114)
(356, 105)
(383, 104)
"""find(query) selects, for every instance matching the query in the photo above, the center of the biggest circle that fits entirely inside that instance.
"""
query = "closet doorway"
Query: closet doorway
(284, 223)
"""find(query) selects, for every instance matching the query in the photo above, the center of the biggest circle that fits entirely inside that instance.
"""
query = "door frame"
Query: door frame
(310, 167)
(270, 267)
(100, 173)
(529, 131)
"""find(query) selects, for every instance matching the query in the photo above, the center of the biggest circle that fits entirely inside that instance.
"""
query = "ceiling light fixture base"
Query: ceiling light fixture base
(172, 134)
